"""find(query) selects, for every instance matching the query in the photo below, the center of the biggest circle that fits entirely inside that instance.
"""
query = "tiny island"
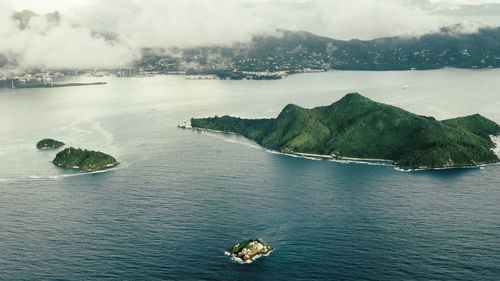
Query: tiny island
(86, 160)
(249, 250)
(49, 144)
(356, 127)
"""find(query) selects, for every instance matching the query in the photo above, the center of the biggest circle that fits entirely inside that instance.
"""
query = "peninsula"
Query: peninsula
(49, 144)
(357, 127)
(249, 250)
(86, 160)
(18, 85)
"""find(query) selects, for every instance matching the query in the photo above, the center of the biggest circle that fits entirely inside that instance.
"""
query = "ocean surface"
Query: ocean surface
(180, 198)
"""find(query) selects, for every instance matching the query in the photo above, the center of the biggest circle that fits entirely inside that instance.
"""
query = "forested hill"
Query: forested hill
(356, 126)
(303, 51)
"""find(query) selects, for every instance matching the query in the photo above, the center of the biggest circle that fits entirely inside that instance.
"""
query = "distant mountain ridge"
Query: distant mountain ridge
(356, 126)
(287, 52)
(303, 52)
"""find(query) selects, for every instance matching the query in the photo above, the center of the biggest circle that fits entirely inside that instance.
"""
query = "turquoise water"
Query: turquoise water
(180, 198)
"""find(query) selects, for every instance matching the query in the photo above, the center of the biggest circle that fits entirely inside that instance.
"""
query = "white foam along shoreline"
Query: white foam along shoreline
(356, 160)
(496, 142)
(77, 173)
(301, 154)
(210, 130)
(240, 261)
(335, 158)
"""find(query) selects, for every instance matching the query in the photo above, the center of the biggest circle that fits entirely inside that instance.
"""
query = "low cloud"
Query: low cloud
(110, 33)
(39, 41)
(194, 22)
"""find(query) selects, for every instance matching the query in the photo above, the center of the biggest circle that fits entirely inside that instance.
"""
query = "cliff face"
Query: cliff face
(356, 126)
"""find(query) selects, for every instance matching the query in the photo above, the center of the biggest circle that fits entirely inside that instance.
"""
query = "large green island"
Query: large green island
(357, 127)
(86, 160)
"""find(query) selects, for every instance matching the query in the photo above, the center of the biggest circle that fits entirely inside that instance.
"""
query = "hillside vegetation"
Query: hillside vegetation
(49, 144)
(86, 160)
(356, 126)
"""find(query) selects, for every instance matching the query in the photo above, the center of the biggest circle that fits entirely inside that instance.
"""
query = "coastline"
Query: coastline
(240, 261)
(106, 167)
(333, 156)
(32, 86)
(494, 139)
(210, 130)
(187, 125)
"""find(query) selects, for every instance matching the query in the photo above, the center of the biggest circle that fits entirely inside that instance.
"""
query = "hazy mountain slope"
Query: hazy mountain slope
(292, 52)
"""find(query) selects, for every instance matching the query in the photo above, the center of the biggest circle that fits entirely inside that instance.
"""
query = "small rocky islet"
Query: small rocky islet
(76, 158)
(249, 250)
(49, 144)
(83, 159)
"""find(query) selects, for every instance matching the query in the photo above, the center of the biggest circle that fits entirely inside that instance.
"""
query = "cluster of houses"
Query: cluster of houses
(45, 78)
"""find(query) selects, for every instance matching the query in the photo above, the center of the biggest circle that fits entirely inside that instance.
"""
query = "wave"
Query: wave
(216, 134)
(294, 155)
(399, 169)
(281, 153)
(481, 167)
(78, 174)
(371, 163)
(310, 158)
(240, 261)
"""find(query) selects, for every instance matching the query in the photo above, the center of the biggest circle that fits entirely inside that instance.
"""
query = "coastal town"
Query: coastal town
(270, 58)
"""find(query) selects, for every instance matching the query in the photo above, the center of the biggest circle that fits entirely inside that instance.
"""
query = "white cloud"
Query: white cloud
(195, 22)
(43, 45)
(163, 23)
(199, 22)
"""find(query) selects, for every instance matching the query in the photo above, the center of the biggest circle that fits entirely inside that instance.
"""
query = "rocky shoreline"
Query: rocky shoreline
(249, 250)
(85, 160)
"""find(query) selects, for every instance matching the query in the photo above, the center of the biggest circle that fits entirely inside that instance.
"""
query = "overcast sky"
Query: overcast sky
(164, 23)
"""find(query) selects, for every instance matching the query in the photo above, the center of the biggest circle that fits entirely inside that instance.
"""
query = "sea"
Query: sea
(180, 198)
